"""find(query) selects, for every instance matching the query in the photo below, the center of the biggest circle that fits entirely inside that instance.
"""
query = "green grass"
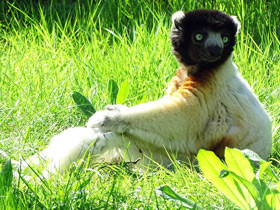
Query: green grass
(49, 50)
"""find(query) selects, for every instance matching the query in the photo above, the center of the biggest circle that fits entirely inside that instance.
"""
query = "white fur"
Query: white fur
(173, 124)
(77, 143)
(236, 21)
(177, 16)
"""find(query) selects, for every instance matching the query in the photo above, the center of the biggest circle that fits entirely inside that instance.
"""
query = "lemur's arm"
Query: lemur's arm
(165, 119)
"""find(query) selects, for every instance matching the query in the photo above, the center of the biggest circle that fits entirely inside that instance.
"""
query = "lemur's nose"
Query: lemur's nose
(215, 51)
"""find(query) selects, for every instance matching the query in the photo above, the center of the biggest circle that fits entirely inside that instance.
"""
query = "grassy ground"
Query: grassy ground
(49, 50)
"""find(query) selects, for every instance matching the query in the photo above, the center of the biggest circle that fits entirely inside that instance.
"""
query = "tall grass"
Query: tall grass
(50, 49)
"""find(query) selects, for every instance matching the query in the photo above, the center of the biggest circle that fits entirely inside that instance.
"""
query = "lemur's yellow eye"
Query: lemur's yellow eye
(198, 37)
(225, 39)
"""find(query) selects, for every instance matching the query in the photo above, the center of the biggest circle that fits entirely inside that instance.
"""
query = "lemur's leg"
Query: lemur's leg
(72, 145)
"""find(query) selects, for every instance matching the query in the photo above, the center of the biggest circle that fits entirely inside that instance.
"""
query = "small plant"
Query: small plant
(239, 182)
(169, 194)
(83, 103)
(118, 95)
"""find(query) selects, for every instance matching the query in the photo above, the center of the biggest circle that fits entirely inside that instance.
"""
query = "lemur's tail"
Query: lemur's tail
(77, 143)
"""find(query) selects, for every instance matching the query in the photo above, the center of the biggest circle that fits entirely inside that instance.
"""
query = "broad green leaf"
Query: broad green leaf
(123, 93)
(166, 192)
(272, 174)
(262, 188)
(273, 200)
(113, 90)
(240, 165)
(278, 186)
(83, 103)
(251, 155)
(247, 187)
(262, 169)
(211, 166)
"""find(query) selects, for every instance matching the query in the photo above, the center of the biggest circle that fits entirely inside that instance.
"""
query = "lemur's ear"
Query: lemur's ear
(237, 23)
(176, 20)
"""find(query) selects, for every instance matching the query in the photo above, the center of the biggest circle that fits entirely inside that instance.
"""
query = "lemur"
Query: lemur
(208, 105)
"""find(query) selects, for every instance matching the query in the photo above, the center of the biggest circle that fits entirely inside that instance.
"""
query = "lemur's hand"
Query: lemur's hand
(109, 119)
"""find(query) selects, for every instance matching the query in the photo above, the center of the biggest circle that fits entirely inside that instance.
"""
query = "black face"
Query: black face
(207, 46)
(203, 38)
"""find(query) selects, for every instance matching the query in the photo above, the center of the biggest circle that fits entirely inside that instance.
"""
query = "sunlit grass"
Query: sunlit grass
(49, 50)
